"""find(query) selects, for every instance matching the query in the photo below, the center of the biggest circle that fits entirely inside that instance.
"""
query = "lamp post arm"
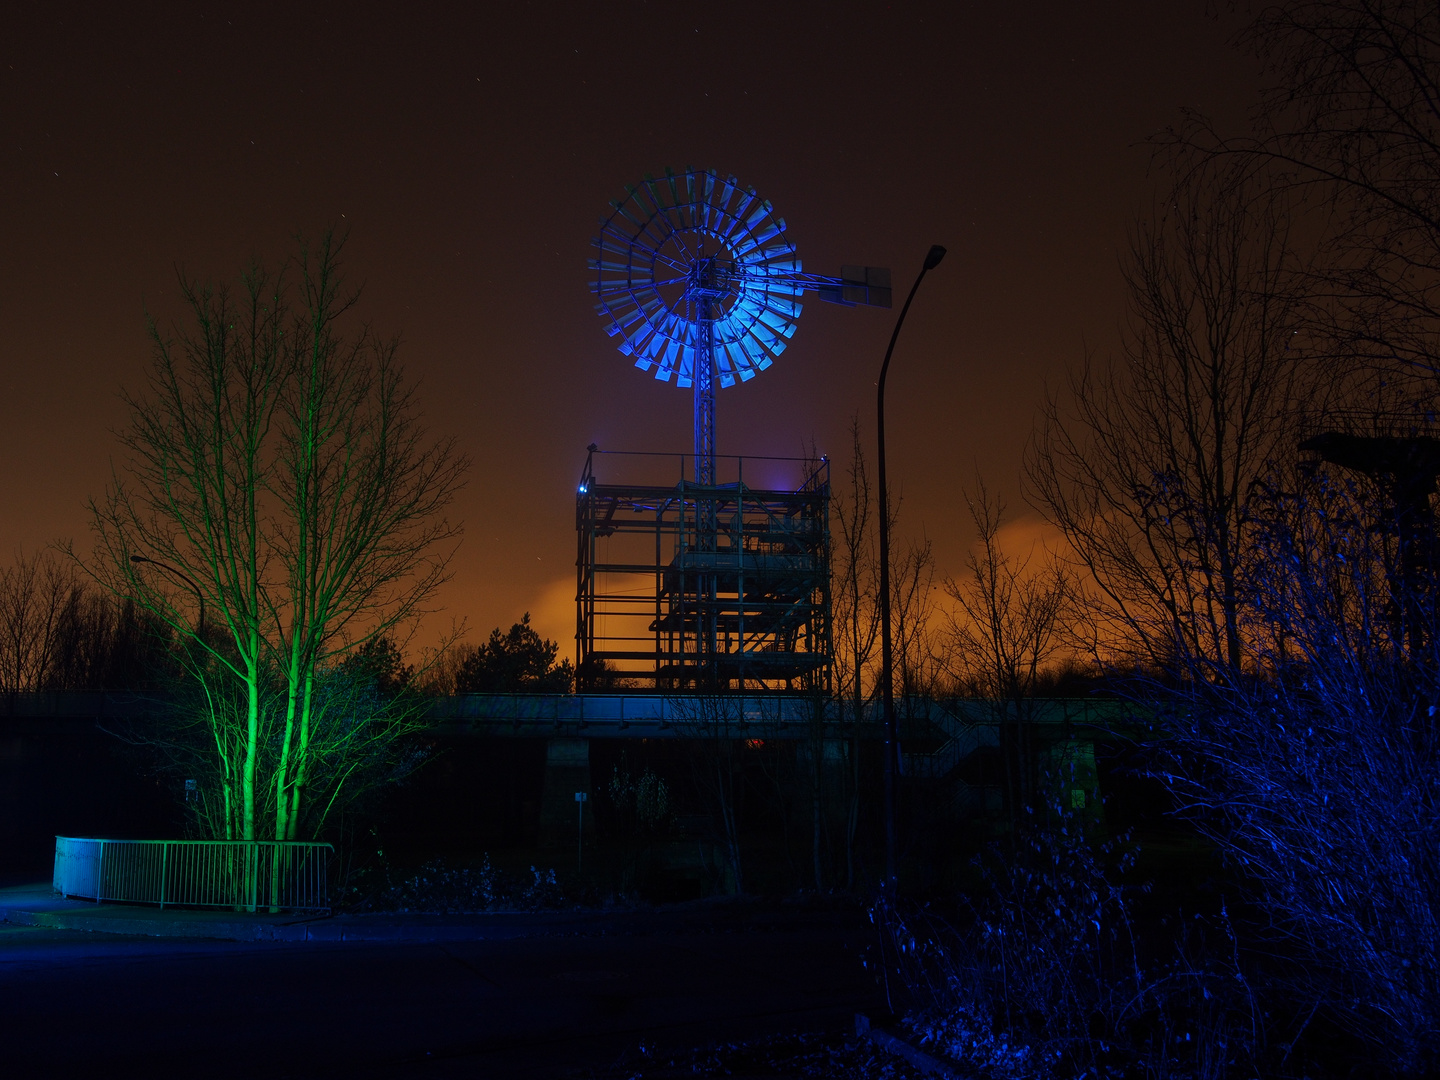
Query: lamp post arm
(894, 337)
(887, 672)
(199, 596)
(884, 493)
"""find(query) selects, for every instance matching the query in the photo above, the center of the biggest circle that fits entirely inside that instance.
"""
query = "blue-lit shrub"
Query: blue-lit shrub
(1316, 769)
(1043, 973)
(441, 887)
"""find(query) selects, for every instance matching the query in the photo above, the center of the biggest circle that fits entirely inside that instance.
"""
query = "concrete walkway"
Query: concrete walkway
(557, 995)
(38, 905)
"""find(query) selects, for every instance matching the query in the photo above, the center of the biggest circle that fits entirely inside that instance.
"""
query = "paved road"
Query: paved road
(74, 1003)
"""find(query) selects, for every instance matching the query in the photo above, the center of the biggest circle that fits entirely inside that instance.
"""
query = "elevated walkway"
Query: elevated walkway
(958, 722)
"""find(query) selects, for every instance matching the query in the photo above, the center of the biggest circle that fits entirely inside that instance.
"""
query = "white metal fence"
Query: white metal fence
(256, 875)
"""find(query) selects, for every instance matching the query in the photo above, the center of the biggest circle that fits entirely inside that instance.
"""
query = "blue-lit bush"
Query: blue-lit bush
(1317, 770)
(1276, 618)
(1045, 973)
(442, 887)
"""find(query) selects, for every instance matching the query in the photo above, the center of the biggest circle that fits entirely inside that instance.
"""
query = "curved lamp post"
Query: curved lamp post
(200, 632)
(887, 684)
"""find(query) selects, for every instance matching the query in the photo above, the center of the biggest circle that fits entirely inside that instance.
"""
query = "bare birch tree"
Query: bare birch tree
(361, 534)
(280, 506)
(186, 513)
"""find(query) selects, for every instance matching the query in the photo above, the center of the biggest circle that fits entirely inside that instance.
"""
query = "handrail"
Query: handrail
(273, 875)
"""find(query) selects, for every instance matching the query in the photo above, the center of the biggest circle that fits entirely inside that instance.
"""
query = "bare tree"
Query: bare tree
(102, 644)
(1008, 626)
(189, 507)
(280, 507)
(857, 621)
(856, 614)
(1263, 596)
(36, 591)
(857, 624)
(1148, 468)
(57, 632)
(913, 605)
(1350, 125)
(360, 534)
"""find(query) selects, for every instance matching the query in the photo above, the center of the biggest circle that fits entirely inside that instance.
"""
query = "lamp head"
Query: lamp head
(138, 558)
(932, 260)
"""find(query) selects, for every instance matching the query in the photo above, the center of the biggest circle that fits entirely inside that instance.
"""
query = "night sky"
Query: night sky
(470, 153)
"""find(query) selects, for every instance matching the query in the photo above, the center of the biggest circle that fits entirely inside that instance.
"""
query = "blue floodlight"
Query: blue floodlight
(696, 278)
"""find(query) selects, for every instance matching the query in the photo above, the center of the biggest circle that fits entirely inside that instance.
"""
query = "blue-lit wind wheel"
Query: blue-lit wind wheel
(697, 279)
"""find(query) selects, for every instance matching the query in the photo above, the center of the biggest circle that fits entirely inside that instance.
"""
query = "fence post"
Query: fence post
(100, 875)
(252, 861)
(164, 869)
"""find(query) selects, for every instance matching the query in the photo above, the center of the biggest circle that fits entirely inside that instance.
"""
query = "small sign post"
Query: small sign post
(580, 800)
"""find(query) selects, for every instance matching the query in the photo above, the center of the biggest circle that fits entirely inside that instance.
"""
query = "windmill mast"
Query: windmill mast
(705, 289)
(705, 397)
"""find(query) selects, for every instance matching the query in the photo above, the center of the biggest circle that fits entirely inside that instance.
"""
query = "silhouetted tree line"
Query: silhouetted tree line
(515, 661)
(58, 631)
(518, 661)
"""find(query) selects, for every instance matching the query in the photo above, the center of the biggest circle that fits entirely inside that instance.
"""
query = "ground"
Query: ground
(633, 995)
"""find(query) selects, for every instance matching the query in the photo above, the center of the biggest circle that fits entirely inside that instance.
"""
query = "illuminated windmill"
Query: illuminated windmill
(697, 279)
(706, 584)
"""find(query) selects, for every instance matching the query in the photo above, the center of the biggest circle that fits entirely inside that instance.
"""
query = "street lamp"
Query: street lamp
(200, 632)
(887, 683)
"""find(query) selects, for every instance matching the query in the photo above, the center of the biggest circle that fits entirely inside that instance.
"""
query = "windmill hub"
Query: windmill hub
(711, 279)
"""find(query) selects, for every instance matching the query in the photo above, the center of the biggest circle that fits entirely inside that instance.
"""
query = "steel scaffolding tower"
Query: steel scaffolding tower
(719, 586)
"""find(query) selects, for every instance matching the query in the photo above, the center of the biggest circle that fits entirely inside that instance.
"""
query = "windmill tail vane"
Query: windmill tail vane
(695, 276)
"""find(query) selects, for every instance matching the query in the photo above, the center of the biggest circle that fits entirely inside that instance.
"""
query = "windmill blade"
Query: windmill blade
(674, 189)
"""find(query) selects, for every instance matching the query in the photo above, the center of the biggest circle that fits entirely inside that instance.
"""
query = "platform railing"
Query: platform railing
(258, 875)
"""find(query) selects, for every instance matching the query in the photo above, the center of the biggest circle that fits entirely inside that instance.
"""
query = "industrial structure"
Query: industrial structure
(686, 586)
(691, 579)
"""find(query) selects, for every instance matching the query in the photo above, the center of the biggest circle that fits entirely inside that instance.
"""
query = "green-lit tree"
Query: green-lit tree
(360, 529)
(184, 511)
(280, 506)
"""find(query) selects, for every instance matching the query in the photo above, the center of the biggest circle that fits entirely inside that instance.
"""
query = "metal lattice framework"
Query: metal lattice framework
(686, 587)
(697, 279)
